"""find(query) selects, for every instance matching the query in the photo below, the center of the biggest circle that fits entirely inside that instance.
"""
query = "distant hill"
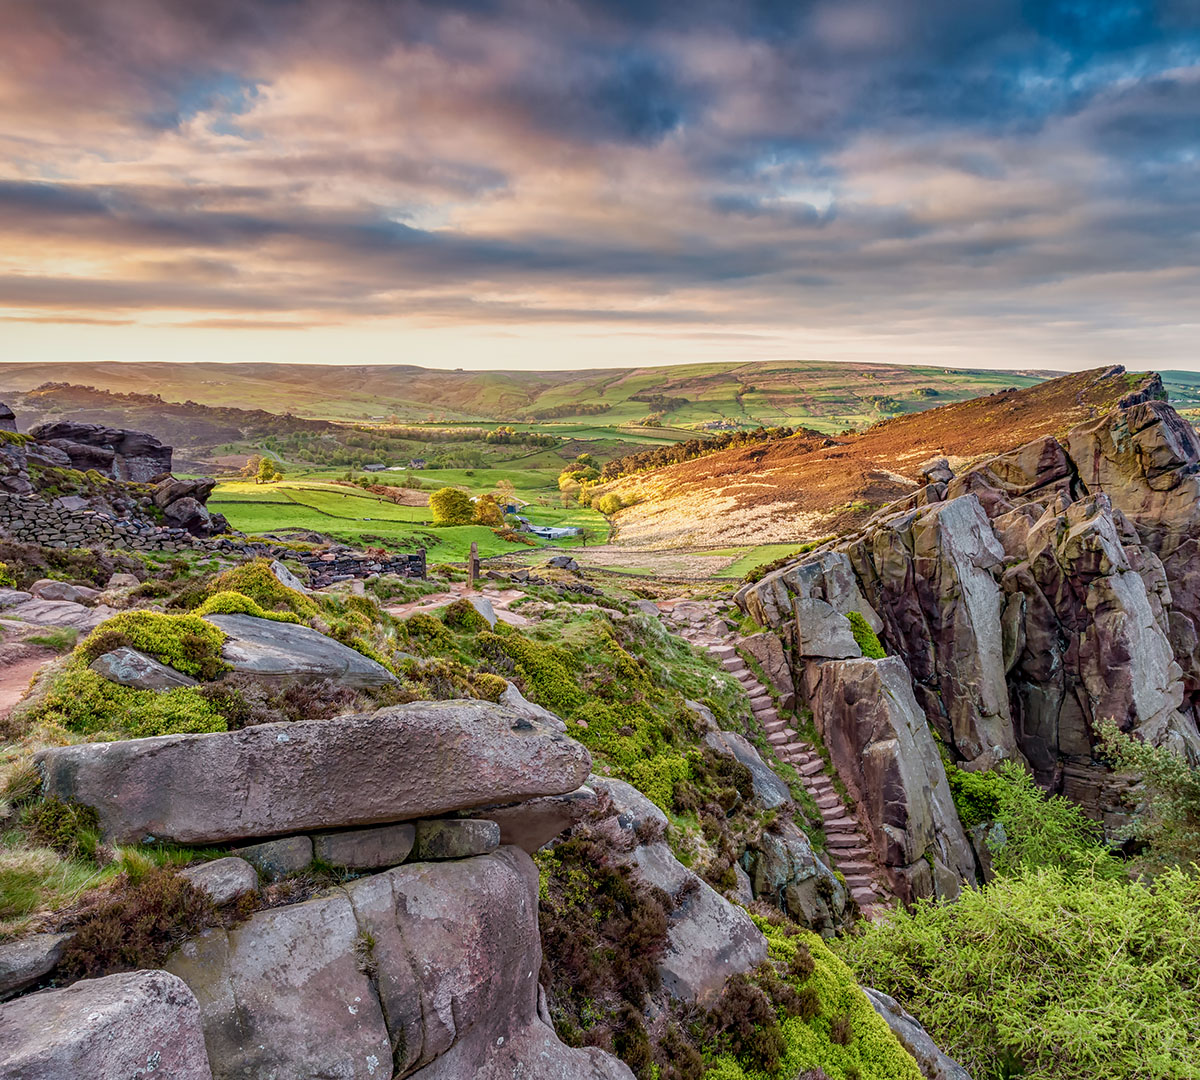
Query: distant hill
(808, 486)
(826, 396)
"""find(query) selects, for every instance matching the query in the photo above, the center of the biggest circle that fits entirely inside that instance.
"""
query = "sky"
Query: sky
(576, 183)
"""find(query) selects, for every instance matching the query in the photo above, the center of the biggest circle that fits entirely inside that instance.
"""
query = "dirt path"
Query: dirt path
(18, 665)
(500, 599)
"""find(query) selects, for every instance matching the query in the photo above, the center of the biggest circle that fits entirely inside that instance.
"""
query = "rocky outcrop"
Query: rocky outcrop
(428, 970)
(709, 939)
(784, 870)
(933, 1063)
(1026, 600)
(770, 792)
(142, 1023)
(881, 746)
(291, 652)
(132, 668)
(401, 763)
(114, 452)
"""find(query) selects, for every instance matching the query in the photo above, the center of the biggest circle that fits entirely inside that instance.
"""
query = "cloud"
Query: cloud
(774, 171)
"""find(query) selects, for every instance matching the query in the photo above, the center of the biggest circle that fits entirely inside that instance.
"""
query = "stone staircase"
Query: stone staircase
(849, 851)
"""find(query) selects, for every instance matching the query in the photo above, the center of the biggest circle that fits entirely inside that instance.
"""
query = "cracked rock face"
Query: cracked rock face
(1030, 598)
(428, 970)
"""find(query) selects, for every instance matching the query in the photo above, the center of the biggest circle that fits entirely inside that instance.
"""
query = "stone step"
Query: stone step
(777, 738)
(811, 768)
(864, 896)
(830, 801)
(845, 840)
(747, 676)
(860, 881)
(722, 652)
(777, 724)
(855, 866)
(846, 856)
(839, 825)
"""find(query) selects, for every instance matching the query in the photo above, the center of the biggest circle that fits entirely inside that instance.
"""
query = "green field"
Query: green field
(359, 517)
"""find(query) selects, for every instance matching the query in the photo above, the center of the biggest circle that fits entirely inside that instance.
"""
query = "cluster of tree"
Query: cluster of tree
(660, 402)
(453, 506)
(660, 456)
(262, 470)
(504, 435)
(573, 408)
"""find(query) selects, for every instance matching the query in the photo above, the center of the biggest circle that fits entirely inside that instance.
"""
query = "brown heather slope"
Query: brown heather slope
(809, 486)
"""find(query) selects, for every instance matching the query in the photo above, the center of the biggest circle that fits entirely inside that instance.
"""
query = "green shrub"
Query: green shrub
(1166, 816)
(7, 581)
(81, 701)
(461, 615)
(70, 829)
(976, 795)
(867, 639)
(1049, 975)
(423, 625)
(185, 642)
(228, 602)
(545, 668)
(255, 580)
(488, 687)
(609, 503)
(451, 507)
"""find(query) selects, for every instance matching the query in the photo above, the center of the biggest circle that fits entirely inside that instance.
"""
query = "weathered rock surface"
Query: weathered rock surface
(123, 581)
(116, 452)
(142, 1023)
(275, 858)
(533, 824)
(223, 880)
(785, 871)
(289, 652)
(455, 838)
(882, 749)
(365, 849)
(1036, 594)
(400, 763)
(60, 613)
(49, 589)
(934, 1064)
(769, 791)
(446, 987)
(132, 668)
(822, 630)
(286, 578)
(768, 649)
(709, 938)
(12, 597)
(24, 961)
(513, 699)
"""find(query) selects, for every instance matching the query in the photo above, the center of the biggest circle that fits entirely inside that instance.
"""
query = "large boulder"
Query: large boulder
(427, 970)
(132, 668)
(785, 871)
(709, 939)
(400, 763)
(882, 748)
(60, 613)
(8, 419)
(119, 453)
(141, 1023)
(770, 792)
(933, 1063)
(290, 652)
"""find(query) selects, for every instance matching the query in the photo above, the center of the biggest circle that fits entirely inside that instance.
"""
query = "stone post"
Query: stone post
(473, 567)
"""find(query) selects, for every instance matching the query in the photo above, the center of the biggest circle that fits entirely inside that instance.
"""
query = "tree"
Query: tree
(451, 506)
(586, 533)
(487, 512)
(268, 472)
(505, 493)
(250, 469)
(585, 461)
(609, 503)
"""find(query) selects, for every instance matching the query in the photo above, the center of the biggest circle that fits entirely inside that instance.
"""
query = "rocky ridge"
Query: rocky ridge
(1023, 602)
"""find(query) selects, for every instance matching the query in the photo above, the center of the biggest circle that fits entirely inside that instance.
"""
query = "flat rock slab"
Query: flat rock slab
(24, 961)
(365, 849)
(132, 668)
(11, 597)
(823, 630)
(60, 613)
(455, 838)
(289, 652)
(141, 1023)
(276, 858)
(223, 880)
(400, 763)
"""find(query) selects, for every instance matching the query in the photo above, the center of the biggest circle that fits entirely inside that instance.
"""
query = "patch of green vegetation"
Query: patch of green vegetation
(976, 795)
(185, 642)
(255, 580)
(7, 581)
(461, 615)
(866, 638)
(1087, 978)
(761, 568)
(823, 1019)
(228, 602)
(58, 638)
(69, 829)
(79, 700)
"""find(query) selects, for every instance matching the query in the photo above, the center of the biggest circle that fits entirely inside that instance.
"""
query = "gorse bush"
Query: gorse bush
(255, 580)
(228, 602)
(1050, 975)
